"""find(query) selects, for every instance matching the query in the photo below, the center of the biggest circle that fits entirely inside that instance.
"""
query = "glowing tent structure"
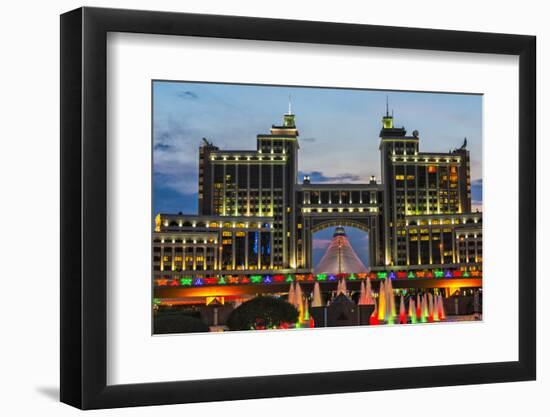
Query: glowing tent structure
(340, 258)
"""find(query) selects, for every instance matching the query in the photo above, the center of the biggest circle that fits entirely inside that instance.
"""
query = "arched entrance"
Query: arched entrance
(366, 223)
(340, 249)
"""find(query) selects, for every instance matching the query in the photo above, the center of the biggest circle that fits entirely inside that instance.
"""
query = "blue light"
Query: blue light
(255, 247)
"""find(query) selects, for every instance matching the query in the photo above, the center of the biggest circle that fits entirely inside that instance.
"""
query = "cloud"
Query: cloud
(308, 139)
(477, 190)
(175, 155)
(161, 146)
(319, 177)
(477, 195)
(188, 95)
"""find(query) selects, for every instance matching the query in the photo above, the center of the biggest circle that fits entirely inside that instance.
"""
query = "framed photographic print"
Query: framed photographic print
(258, 208)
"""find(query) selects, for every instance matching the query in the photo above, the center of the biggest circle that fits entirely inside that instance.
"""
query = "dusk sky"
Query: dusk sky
(338, 139)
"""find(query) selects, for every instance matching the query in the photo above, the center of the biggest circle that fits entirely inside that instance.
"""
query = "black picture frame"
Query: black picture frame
(84, 207)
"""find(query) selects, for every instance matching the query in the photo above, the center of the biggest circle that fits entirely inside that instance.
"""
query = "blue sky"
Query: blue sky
(338, 133)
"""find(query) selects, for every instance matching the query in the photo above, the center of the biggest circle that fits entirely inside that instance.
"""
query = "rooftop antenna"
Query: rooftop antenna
(387, 107)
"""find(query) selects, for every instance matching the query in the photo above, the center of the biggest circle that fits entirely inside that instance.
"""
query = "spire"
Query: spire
(288, 118)
(387, 120)
(289, 104)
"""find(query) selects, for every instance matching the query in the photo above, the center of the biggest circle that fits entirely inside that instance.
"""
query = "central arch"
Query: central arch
(325, 224)
(315, 222)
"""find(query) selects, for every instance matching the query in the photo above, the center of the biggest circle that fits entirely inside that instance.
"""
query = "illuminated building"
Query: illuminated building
(254, 216)
(421, 189)
(206, 244)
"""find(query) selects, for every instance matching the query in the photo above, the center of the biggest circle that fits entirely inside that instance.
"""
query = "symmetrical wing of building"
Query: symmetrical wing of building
(255, 217)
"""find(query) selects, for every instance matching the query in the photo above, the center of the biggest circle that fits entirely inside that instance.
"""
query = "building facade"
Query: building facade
(254, 216)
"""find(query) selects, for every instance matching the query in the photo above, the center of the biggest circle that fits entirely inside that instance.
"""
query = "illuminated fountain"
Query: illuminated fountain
(382, 302)
(368, 290)
(402, 313)
(317, 300)
(298, 300)
(418, 307)
(390, 303)
(291, 293)
(365, 305)
(436, 308)
(318, 312)
(412, 311)
(342, 287)
(424, 316)
(441, 311)
(305, 309)
(362, 295)
(374, 316)
(430, 307)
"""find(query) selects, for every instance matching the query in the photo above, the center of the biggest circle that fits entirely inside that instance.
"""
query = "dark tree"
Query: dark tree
(262, 312)
(174, 322)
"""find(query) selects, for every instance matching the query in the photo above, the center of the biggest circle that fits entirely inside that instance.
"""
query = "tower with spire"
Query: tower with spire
(289, 118)
(394, 144)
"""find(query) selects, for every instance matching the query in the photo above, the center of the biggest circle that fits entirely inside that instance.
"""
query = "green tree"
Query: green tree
(262, 312)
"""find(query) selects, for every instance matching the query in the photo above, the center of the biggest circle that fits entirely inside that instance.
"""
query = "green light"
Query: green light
(256, 279)
(156, 301)
(289, 278)
(352, 277)
(382, 275)
(465, 274)
(221, 281)
(321, 277)
(438, 273)
(411, 275)
(186, 281)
